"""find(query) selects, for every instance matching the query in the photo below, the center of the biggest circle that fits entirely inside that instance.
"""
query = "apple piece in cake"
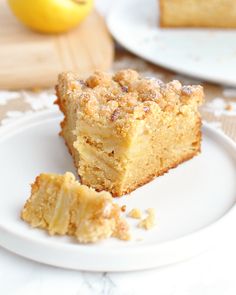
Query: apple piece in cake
(61, 205)
(123, 130)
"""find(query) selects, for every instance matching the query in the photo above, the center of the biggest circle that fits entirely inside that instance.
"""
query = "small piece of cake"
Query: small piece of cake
(123, 130)
(61, 205)
(198, 13)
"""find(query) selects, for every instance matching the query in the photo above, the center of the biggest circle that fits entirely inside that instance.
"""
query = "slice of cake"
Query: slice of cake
(124, 130)
(61, 205)
(198, 13)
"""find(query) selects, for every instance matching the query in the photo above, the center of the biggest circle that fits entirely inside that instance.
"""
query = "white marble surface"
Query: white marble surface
(211, 273)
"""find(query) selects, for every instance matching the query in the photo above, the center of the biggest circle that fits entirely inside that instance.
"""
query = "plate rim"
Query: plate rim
(169, 66)
(10, 239)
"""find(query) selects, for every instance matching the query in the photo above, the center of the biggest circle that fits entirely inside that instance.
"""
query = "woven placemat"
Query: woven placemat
(219, 107)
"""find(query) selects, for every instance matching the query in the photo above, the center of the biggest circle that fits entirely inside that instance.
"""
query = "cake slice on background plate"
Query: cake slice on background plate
(123, 130)
(198, 13)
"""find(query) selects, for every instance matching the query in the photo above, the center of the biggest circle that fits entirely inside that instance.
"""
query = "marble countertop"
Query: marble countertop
(209, 273)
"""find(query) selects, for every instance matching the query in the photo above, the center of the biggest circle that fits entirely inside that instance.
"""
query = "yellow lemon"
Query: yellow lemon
(51, 16)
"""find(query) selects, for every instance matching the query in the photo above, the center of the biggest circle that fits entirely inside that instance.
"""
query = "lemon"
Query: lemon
(51, 16)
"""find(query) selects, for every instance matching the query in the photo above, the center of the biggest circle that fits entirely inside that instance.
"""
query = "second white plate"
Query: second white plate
(194, 203)
(208, 54)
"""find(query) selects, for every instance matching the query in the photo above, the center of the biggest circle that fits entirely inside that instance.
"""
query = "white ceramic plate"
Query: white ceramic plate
(208, 54)
(194, 203)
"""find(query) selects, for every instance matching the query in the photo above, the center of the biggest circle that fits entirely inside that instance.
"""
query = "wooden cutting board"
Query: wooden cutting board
(29, 59)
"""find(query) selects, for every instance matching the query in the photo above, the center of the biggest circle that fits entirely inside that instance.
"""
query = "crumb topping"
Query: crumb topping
(126, 96)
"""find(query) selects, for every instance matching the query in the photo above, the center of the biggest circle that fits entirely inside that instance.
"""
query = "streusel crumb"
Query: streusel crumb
(127, 96)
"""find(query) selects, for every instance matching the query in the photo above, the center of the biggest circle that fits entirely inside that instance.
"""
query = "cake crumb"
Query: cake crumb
(122, 231)
(148, 222)
(135, 213)
(123, 208)
(228, 107)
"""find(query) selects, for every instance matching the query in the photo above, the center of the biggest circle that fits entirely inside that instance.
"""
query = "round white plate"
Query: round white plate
(208, 54)
(194, 203)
